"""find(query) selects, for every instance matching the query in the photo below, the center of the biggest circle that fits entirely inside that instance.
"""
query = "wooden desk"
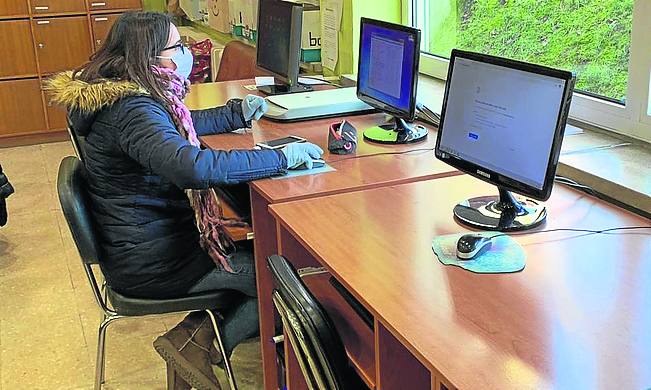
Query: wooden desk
(370, 171)
(577, 317)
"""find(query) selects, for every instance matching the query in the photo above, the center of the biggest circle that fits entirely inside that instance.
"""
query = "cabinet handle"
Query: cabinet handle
(43, 8)
(102, 4)
(43, 22)
(40, 45)
(98, 42)
(101, 19)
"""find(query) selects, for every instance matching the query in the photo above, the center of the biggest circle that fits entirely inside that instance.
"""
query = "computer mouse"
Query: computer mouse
(472, 245)
(316, 163)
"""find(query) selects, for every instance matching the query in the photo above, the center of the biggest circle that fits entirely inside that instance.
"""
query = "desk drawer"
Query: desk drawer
(101, 5)
(356, 335)
(40, 7)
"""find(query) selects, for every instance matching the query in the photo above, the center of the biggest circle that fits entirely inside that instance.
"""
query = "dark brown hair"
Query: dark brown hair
(129, 52)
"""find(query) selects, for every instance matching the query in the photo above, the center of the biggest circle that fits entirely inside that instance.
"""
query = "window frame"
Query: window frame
(632, 119)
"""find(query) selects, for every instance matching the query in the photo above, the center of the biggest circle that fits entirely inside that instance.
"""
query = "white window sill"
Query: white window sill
(612, 165)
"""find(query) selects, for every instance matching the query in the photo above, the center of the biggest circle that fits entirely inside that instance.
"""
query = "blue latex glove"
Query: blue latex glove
(299, 153)
(253, 107)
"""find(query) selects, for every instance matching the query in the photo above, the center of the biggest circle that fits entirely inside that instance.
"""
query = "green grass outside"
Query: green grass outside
(590, 37)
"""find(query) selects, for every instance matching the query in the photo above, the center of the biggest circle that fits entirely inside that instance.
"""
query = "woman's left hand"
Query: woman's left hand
(253, 107)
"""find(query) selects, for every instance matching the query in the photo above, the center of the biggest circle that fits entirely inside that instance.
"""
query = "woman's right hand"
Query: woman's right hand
(301, 153)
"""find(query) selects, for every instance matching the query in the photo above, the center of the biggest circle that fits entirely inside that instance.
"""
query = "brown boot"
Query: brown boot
(186, 352)
(205, 337)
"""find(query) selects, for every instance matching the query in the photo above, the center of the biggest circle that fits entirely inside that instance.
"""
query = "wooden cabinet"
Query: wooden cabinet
(61, 43)
(13, 8)
(101, 25)
(37, 39)
(56, 115)
(21, 107)
(40, 7)
(17, 57)
(101, 5)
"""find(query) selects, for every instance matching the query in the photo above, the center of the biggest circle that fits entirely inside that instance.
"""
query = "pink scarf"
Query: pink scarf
(208, 211)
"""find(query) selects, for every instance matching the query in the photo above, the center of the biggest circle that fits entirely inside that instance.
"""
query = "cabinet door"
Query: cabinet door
(21, 107)
(9, 8)
(56, 115)
(99, 5)
(16, 49)
(40, 7)
(62, 43)
(101, 26)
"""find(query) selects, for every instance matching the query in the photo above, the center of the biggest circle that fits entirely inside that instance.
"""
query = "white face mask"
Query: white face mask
(183, 60)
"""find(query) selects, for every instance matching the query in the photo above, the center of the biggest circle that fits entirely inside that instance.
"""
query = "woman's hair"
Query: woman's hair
(130, 51)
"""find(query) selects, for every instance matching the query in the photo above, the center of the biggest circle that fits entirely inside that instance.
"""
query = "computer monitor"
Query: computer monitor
(279, 44)
(387, 79)
(502, 121)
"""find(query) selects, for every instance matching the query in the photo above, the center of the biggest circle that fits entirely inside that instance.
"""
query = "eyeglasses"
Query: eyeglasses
(177, 46)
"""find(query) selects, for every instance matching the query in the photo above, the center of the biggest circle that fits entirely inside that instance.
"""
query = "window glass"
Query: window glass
(589, 37)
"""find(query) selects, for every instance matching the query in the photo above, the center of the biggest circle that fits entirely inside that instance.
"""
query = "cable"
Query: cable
(324, 81)
(589, 231)
(572, 183)
(382, 153)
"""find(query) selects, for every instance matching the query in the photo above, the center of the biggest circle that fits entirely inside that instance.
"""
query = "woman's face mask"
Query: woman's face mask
(182, 58)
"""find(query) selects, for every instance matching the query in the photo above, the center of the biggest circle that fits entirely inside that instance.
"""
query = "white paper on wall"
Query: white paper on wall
(330, 26)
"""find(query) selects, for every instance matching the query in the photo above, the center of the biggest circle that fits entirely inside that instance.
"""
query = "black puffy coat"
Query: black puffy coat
(138, 166)
(5, 190)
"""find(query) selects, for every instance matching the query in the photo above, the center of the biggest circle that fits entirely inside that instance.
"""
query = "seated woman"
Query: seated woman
(140, 154)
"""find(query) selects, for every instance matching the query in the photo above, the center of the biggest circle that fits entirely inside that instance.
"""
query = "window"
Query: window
(603, 41)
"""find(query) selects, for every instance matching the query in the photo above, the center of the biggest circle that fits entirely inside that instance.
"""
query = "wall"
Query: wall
(154, 5)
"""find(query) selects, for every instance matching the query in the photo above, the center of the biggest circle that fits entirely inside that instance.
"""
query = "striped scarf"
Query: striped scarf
(209, 215)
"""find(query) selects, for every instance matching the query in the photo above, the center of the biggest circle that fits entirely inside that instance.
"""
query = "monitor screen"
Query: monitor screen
(504, 120)
(388, 66)
(275, 36)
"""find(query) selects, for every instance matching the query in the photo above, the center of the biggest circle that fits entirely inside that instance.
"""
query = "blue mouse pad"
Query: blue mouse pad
(302, 172)
(504, 256)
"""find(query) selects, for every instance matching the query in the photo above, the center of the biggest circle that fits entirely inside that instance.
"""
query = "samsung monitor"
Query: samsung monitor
(387, 79)
(279, 45)
(502, 121)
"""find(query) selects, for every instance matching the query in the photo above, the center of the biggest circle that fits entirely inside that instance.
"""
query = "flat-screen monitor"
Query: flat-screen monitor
(279, 44)
(387, 78)
(502, 121)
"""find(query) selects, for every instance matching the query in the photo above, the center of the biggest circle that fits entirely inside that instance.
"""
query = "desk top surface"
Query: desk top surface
(369, 167)
(577, 317)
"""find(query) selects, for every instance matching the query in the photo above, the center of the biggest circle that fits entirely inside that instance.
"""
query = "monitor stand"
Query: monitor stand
(396, 131)
(503, 213)
(283, 89)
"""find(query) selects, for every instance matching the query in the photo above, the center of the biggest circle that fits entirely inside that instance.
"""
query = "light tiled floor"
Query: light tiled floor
(48, 318)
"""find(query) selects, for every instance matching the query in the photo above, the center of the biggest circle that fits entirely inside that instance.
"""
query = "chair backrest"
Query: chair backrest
(238, 62)
(314, 339)
(76, 139)
(74, 203)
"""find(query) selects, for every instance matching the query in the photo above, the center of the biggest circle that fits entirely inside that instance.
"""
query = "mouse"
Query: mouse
(472, 245)
(316, 163)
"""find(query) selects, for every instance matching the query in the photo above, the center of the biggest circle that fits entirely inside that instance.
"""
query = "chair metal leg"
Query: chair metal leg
(101, 343)
(227, 362)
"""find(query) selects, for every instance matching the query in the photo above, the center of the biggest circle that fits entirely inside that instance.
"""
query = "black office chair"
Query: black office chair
(314, 339)
(76, 139)
(73, 198)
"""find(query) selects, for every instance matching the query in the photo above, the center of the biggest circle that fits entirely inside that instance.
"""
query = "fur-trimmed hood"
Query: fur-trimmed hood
(84, 100)
(88, 97)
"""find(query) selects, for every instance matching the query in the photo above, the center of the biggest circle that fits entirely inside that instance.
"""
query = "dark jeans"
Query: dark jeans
(242, 321)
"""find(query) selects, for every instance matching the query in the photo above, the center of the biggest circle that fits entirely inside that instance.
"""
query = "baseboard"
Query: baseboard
(34, 139)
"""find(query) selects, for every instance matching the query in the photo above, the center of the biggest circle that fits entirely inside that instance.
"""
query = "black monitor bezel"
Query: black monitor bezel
(488, 175)
(293, 64)
(409, 115)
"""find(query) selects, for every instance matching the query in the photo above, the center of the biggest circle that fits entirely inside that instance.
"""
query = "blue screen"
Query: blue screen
(386, 65)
